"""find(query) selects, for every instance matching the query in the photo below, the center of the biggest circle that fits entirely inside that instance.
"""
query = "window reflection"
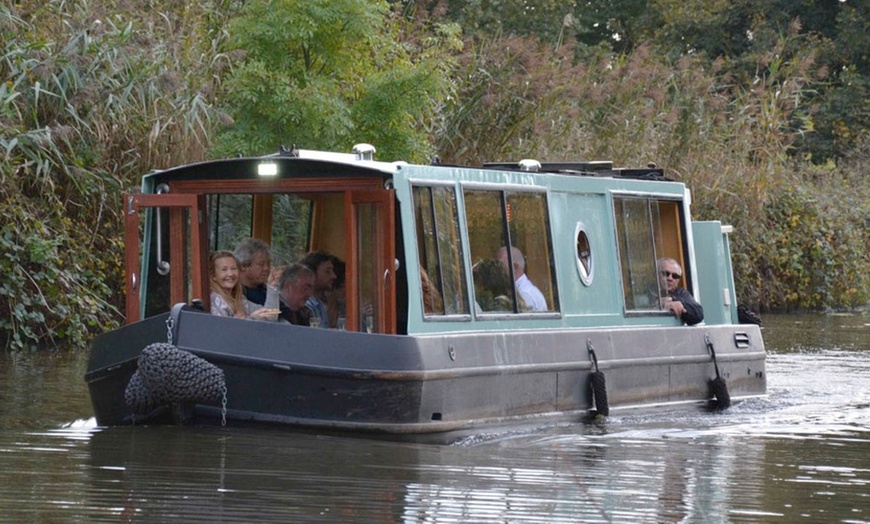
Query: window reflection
(442, 272)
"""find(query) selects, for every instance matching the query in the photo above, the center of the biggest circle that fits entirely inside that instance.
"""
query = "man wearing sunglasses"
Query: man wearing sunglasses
(678, 300)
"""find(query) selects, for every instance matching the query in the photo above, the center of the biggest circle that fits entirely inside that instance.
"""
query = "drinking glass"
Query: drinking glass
(272, 298)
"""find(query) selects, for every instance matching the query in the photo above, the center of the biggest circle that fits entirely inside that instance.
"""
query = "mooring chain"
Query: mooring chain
(592, 353)
(169, 322)
(224, 408)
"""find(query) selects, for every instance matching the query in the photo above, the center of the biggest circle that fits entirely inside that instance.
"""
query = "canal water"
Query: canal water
(800, 455)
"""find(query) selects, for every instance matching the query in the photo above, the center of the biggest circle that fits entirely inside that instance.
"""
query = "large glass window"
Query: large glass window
(231, 220)
(511, 251)
(442, 272)
(647, 229)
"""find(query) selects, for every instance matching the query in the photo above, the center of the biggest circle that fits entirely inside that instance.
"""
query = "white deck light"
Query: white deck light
(267, 169)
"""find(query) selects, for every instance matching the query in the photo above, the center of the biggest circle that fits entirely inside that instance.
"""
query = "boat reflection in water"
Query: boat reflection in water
(158, 474)
(435, 347)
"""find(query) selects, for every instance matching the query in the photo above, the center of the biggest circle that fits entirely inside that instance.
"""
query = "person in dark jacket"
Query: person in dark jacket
(254, 267)
(296, 286)
(678, 300)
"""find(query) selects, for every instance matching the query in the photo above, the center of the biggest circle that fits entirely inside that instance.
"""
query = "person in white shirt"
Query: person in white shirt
(531, 294)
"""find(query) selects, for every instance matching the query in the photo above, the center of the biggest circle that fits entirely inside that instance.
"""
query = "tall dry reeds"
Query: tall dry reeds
(94, 97)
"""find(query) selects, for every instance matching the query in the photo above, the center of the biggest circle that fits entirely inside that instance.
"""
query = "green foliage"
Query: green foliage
(52, 291)
(326, 75)
(92, 99)
(811, 252)
(549, 20)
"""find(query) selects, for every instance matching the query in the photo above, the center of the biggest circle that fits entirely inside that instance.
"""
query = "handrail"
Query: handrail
(162, 265)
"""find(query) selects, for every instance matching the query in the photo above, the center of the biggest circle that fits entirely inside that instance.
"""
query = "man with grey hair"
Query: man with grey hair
(254, 265)
(296, 285)
(531, 294)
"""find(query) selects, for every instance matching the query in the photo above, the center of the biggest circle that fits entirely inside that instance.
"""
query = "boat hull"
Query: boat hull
(427, 388)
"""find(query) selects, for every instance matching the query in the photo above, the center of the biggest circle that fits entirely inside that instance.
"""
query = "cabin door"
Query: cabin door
(372, 278)
(173, 269)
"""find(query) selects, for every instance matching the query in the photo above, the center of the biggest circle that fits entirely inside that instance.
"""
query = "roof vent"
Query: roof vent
(364, 151)
(527, 164)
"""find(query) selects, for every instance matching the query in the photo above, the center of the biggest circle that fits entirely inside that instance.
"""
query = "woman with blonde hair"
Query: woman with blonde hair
(227, 299)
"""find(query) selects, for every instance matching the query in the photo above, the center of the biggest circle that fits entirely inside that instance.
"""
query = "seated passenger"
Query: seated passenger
(226, 297)
(493, 290)
(321, 264)
(296, 285)
(677, 299)
(530, 293)
(432, 302)
(335, 299)
(253, 256)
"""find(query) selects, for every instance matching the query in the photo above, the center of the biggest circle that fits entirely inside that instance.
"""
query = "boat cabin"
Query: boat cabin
(419, 241)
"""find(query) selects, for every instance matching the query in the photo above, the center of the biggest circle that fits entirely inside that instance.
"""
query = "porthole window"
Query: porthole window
(584, 254)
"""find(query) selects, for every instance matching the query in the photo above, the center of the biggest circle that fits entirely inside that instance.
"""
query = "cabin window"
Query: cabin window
(647, 229)
(584, 254)
(442, 272)
(509, 236)
(286, 227)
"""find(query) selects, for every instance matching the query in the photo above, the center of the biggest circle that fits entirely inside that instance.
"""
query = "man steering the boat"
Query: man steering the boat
(677, 300)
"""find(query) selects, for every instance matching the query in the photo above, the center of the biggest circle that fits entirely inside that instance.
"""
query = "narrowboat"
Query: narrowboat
(594, 340)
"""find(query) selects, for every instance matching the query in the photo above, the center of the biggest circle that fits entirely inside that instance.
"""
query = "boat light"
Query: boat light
(531, 165)
(364, 151)
(267, 169)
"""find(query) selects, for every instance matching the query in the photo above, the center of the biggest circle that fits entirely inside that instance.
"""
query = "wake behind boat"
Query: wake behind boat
(431, 349)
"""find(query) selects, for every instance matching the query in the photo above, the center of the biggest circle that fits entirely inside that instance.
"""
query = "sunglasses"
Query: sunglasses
(675, 276)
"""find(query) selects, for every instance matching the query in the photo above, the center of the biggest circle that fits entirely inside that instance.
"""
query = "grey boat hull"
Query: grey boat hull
(425, 387)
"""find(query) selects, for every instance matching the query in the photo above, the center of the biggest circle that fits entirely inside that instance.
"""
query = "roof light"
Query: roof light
(267, 169)
(528, 164)
(364, 151)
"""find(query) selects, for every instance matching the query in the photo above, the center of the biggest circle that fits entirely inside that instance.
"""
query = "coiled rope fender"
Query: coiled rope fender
(597, 385)
(167, 375)
(718, 387)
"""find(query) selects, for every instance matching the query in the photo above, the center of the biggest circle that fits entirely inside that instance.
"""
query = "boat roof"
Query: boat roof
(295, 162)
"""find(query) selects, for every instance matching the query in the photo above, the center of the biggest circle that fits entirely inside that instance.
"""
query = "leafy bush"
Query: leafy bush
(324, 74)
(92, 100)
(49, 291)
